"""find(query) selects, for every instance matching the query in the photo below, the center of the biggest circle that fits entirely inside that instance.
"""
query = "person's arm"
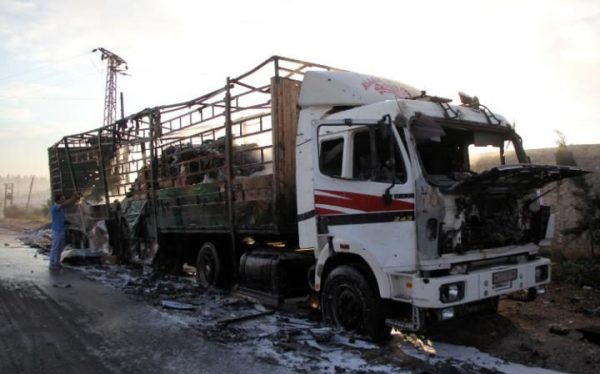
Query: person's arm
(72, 200)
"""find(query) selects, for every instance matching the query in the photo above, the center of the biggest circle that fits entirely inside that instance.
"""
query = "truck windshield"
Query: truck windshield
(453, 152)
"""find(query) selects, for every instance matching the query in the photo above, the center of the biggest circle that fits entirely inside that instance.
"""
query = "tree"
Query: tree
(587, 206)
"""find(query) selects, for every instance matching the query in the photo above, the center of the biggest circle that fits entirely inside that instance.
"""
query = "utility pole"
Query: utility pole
(29, 194)
(122, 106)
(115, 65)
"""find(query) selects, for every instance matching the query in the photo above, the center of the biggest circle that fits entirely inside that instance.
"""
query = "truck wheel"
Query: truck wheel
(208, 266)
(349, 302)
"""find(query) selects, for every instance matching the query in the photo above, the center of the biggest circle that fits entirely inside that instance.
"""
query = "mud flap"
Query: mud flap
(414, 323)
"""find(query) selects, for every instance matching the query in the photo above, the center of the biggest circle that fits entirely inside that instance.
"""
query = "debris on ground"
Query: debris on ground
(81, 256)
(170, 304)
(61, 285)
(591, 333)
(594, 312)
(244, 317)
(323, 334)
(296, 339)
(108, 260)
(40, 238)
(558, 329)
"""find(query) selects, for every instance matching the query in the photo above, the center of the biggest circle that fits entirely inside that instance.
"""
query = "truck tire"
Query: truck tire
(349, 302)
(208, 266)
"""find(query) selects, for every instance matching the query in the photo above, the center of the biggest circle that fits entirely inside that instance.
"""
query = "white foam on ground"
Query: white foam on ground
(326, 360)
(458, 355)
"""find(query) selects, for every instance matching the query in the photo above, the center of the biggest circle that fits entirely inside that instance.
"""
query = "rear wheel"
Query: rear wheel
(208, 266)
(349, 302)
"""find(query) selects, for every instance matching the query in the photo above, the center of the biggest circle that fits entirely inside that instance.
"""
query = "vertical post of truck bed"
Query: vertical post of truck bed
(103, 174)
(154, 121)
(70, 165)
(228, 169)
(275, 131)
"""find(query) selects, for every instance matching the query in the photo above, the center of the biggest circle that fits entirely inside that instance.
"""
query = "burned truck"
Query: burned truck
(298, 179)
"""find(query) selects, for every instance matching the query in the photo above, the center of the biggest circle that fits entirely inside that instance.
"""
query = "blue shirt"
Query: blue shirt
(58, 218)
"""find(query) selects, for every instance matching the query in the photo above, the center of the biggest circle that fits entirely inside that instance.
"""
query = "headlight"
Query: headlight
(446, 313)
(541, 273)
(452, 292)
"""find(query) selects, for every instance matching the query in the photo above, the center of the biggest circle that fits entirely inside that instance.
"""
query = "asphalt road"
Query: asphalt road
(61, 323)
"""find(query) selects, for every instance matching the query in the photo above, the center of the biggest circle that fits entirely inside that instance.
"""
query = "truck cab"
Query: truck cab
(415, 208)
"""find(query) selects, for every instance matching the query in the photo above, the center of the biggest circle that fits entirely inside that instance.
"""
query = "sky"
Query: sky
(535, 62)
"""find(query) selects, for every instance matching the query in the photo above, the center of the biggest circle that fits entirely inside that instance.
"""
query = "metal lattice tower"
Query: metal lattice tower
(115, 65)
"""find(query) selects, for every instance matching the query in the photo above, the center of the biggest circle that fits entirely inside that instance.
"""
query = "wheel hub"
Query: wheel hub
(348, 309)
(207, 268)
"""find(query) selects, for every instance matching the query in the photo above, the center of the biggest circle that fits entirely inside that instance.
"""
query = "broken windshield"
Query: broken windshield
(451, 152)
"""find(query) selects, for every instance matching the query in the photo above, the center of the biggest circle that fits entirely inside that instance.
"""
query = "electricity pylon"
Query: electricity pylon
(115, 65)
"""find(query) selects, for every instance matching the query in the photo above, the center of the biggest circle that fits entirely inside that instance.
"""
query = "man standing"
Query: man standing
(58, 227)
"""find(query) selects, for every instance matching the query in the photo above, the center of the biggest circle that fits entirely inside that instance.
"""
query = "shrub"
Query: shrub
(583, 271)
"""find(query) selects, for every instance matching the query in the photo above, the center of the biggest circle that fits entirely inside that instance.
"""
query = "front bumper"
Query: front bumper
(478, 285)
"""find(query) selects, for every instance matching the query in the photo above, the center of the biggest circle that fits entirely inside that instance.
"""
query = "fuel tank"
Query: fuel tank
(273, 275)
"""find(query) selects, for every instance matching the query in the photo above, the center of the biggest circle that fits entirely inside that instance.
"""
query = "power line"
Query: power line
(62, 82)
(40, 67)
(49, 98)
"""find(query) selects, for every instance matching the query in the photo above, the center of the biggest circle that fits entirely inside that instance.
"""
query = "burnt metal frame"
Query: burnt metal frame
(137, 141)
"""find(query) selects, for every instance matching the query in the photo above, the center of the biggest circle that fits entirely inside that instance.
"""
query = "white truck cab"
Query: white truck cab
(403, 220)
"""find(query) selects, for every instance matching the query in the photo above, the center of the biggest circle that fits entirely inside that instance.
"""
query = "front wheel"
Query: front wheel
(208, 266)
(349, 302)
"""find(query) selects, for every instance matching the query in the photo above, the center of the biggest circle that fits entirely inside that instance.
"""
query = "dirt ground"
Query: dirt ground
(19, 224)
(542, 333)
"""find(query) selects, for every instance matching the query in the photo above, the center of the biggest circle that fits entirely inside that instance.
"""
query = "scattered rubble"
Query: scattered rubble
(594, 312)
(81, 256)
(294, 336)
(40, 238)
(244, 317)
(170, 304)
(558, 329)
(61, 285)
(591, 333)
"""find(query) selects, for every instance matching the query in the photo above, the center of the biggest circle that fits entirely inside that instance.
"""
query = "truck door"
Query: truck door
(364, 192)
